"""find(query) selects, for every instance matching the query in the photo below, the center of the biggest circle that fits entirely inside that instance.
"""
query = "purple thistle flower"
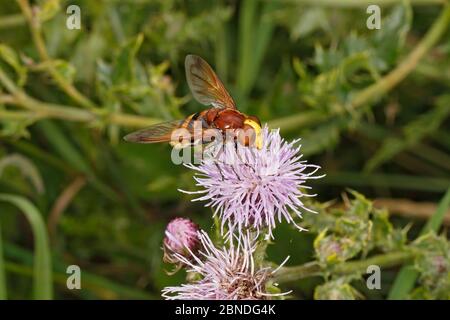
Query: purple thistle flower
(251, 188)
(227, 273)
(181, 237)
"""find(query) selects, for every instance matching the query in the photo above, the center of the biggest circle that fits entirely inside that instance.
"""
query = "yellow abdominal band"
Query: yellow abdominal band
(257, 128)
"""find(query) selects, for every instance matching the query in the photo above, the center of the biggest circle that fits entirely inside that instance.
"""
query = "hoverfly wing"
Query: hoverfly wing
(205, 85)
(160, 132)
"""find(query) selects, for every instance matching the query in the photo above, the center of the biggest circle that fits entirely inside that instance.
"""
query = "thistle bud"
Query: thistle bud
(181, 238)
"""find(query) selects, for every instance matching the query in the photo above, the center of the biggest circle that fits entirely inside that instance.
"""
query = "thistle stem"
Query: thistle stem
(311, 269)
(36, 33)
(11, 21)
(38, 109)
(289, 274)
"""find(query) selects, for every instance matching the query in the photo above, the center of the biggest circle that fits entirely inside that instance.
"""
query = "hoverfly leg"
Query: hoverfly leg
(235, 173)
(236, 152)
(220, 171)
(216, 159)
(241, 161)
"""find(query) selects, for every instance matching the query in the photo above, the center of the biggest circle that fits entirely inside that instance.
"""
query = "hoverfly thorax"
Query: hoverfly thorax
(223, 117)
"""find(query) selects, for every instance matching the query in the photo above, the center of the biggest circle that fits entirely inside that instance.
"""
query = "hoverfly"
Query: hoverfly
(223, 117)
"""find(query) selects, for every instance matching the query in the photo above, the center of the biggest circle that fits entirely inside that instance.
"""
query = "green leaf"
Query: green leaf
(124, 64)
(42, 275)
(48, 9)
(311, 19)
(11, 58)
(390, 39)
(16, 129)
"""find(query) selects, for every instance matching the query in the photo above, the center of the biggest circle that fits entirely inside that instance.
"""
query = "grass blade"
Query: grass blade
(69, 152)
(3, 295)
(101, 287)
(436, 220)
(42, 273)
(255, 31)
(264, 34)
(246, 44)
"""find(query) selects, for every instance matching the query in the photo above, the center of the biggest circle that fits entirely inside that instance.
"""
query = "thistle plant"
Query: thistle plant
(251, 190)
(370, 105)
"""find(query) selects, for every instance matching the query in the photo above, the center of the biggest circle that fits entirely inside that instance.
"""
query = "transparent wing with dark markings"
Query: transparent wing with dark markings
(160, 132)
(205, 85)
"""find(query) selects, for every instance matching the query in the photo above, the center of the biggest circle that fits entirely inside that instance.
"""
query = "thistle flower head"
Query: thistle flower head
(226, 274)
(251, 188)
(181, 238)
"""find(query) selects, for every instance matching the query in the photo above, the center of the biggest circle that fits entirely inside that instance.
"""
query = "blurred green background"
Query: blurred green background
(371, 107)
